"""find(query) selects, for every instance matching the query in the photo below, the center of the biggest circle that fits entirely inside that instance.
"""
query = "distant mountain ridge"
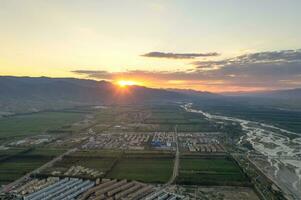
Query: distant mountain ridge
(28, 94)
(25, 94)
(291, 93)
(193, 92)
(275, 94)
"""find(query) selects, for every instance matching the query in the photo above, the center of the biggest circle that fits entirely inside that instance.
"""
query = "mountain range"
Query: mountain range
(29, 94)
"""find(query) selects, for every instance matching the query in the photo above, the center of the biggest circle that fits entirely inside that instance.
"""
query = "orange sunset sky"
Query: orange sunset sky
(217, 46)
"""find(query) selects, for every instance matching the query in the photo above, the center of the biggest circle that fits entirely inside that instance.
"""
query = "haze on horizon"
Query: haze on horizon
(217, 46)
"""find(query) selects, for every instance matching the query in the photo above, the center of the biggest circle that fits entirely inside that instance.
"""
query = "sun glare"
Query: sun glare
(124, 83)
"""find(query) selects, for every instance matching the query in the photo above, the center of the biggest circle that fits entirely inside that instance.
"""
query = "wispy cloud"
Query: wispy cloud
(156, 54)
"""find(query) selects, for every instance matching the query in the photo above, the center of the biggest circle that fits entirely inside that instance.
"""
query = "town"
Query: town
(169, 154)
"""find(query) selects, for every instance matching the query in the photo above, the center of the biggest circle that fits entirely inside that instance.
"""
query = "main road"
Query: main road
(175, 170)
(177, 161)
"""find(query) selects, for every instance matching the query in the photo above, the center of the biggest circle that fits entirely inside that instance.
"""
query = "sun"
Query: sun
(124, 83)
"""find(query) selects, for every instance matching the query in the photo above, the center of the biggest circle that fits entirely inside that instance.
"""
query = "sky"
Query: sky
(208, 45)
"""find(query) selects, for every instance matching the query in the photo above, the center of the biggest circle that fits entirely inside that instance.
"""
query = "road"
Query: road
(265, 175)
(175, 168)
(176, 163)
(26, 176)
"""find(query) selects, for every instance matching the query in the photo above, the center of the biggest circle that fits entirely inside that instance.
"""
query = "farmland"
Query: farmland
(136, 143)
(36, 123)
(149, 170)
(9, 152)
(130, 165)
(169, 116)
(210, 171)
(19, 164)
(152, 118)
(101, 161)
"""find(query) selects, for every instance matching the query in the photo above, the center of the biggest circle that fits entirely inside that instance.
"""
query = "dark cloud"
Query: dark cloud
(95, 74)
(179, 55)
(270, 57)
(142, 74)
(266, 70)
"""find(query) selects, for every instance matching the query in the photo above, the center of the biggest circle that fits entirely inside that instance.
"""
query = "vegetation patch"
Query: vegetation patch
(210, 171)
(149, 170)
(22, 163)
(101, 160)
(36, 123)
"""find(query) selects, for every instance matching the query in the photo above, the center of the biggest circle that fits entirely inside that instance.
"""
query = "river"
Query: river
(283, 163)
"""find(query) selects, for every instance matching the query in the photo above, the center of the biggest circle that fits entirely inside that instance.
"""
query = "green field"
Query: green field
(209, 171)
(18, 165)
(10, 152)
(152, 118)
(149, 170)
(131, 165)
(51, 152)
(101, 160)
(97, 163)
(36, 123)
(97, 153)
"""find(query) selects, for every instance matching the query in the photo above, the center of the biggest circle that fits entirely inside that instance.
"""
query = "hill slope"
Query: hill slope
(25, 94)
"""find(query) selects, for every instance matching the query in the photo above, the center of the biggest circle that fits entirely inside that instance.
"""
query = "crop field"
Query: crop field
(105, 115)
(148, 154)
(51, 152)
(167, 117)
(101, 161)
(209, 171)
(97, 163)
(131, 165)
(97, 153)
(36, 123)
(18, 165)
(151, 118)
(155, 118)
(149, 170)
(10, 152)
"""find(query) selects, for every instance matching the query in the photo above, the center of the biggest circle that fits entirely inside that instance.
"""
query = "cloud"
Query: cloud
(264, 69)
(256, 71)
(269, 57)
(138, 74)
(155, 54)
